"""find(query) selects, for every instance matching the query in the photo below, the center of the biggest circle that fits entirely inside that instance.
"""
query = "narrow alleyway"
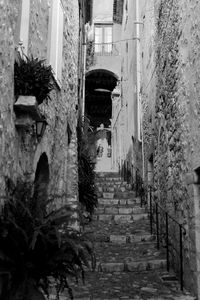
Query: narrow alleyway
(129, 266)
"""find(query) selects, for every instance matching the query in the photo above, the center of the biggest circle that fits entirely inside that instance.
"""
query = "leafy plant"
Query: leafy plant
(89, 54)
(87, 190)
(32, 78)
(38, 252)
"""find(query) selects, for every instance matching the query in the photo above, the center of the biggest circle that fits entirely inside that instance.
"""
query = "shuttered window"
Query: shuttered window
(55, 47)
(21, 38)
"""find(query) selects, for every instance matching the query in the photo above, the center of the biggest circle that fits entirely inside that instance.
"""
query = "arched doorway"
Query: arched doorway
(41, 186)
(98, 105)
(98, 109)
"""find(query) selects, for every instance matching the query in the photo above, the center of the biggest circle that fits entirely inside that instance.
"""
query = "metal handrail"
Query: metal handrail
(156, 209)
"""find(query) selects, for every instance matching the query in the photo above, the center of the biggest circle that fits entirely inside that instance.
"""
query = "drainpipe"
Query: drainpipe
(84, 72)
(138, 69)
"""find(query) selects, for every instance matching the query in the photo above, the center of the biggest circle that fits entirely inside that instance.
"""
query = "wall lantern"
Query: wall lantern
(41, 127)
(116, 93)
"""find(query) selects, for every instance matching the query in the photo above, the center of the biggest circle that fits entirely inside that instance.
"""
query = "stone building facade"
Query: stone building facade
(130, 93)
(52, 159)
(170, 96)
(113, 83)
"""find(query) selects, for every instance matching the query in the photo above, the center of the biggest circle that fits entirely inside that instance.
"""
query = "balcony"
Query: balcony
(106, 49)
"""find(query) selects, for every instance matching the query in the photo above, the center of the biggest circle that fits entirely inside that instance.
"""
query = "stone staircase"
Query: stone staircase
(125, 248)
(129, 266)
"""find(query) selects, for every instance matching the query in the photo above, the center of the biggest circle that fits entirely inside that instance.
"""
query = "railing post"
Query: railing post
(181, 256)
(157, 227)
(167, 240)
(151, 212)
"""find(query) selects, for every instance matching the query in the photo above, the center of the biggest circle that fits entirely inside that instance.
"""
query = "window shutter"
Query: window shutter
(56, 39)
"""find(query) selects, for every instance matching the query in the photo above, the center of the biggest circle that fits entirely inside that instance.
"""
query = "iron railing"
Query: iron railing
(105, 49)
(169, 234)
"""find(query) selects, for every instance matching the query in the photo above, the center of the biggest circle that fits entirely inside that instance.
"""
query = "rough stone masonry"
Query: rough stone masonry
(19, 150)
(171, 90)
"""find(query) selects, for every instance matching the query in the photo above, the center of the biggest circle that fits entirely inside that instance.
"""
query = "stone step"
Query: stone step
(130, 239)
(110, 183)
(121, 218)
(129, 265)
(122, 210)
(126, 285)
(128, 201)
(107, 175)
(124, 195)
(118, 195)
(112, 189)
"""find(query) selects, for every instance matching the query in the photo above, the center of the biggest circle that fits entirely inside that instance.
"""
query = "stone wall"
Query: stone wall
(9, 11)
(171, 120)
(20, 151)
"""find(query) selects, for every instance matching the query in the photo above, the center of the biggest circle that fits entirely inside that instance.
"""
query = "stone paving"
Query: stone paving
(129, 266)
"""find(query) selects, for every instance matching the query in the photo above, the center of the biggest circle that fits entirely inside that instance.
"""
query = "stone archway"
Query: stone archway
(98, 109)
(41, 182)
(98, 104)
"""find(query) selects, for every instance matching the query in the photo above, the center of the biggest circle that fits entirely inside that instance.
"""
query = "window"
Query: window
(103, 39)
(56, 39)
(22, 30)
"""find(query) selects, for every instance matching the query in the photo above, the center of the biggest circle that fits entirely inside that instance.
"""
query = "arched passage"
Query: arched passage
(98, 108)
(41, 185)
(98, 105)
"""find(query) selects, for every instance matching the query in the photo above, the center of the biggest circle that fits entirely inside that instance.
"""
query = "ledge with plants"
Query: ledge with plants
(33, 82)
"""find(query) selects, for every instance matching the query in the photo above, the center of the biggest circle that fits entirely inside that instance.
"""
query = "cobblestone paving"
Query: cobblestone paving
(129, 266)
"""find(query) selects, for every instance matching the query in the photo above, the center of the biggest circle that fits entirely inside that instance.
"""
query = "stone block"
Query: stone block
(139, 217)
(138, 210)
(108, 201)
(100, 210)
(135, 266)
(156, 264)
(130, 201)
(133, 238)
(122, 219)
(137, 200)
(118, 239)
(105, 217)
(110, 189)
(99, 189)
(122, 201)
(108, 195)
(125, 211)
(111, 210)
(111, 267)
(122, 195)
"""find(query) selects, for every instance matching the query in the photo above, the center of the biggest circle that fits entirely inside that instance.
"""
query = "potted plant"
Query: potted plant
(32, 77)
(37, 250)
